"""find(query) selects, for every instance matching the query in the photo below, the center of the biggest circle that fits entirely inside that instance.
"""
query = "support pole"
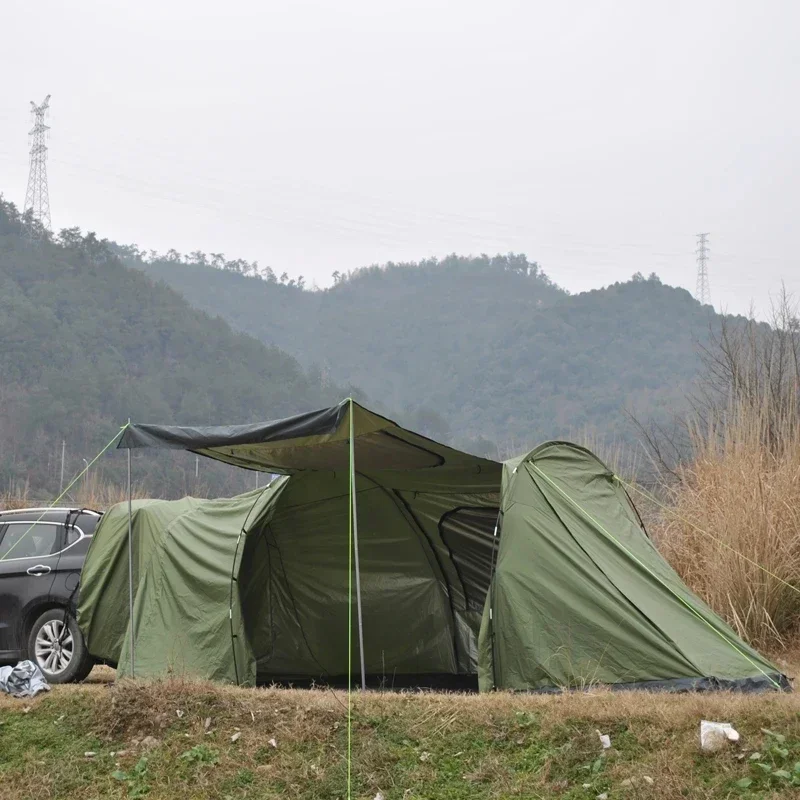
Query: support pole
(355, 545)
(130, 565)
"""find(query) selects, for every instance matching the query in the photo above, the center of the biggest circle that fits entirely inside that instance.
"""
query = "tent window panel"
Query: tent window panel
(468, 534)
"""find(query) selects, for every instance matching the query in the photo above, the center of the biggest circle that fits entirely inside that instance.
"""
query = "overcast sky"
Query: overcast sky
(597, 137)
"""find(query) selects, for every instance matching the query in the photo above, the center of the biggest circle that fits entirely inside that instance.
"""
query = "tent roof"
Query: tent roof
(317, 440)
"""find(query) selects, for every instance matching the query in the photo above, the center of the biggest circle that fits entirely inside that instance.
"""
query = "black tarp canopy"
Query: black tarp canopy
(317, 440)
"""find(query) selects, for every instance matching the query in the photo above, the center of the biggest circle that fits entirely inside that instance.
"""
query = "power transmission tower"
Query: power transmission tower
(37, 197)
(702, 291)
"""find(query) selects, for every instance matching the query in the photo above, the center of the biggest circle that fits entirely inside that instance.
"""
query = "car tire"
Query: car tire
(63, 661)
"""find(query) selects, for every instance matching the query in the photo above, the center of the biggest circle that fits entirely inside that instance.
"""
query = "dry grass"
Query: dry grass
(19, 498)
(100, 494)
(406, 746)
(618, 456)
(747, 496)
(91, 492)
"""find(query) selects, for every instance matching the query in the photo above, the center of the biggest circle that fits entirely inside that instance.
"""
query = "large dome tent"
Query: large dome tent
(533, 575)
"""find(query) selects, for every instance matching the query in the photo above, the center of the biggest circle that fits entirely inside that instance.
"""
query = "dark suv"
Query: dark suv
(41, 555)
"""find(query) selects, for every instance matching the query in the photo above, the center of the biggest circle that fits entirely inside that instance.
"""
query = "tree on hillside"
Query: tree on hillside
(757, 365)
(744, 364)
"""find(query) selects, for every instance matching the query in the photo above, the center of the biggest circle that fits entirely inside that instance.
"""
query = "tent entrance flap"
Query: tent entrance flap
(294, 584)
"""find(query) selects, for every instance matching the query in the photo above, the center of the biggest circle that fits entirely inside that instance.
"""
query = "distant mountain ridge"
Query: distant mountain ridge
(487, 352)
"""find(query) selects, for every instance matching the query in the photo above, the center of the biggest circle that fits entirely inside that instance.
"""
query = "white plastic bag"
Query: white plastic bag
(715, 735)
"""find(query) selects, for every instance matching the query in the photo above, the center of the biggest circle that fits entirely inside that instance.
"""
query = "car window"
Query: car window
(72, 536)
(23, 540)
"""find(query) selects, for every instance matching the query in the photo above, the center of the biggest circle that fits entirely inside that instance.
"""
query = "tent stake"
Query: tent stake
(355, 544)
(130, 565)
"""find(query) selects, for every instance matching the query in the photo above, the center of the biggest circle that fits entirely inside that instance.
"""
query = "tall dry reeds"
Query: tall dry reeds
(92, 491)
(731, 477)
(741, 495)
(18, 497)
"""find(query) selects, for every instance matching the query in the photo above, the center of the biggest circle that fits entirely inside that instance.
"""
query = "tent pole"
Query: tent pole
(130, 565)
(355, 544)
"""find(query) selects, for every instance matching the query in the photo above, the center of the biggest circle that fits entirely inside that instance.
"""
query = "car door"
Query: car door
(28, 558)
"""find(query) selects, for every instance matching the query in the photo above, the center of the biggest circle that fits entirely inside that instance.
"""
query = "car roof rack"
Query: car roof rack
(49, 508)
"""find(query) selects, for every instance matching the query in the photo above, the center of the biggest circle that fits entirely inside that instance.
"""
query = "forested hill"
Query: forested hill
(473, 349)
(88, 342)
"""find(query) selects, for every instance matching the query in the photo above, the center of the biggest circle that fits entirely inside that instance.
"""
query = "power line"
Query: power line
(37, 197)
(396, 219)
(395, 232)
(702, 290)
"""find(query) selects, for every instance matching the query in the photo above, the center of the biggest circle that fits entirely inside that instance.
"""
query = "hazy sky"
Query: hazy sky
(598, 137)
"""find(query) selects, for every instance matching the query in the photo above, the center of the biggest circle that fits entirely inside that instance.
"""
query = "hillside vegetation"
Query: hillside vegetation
(88, 343)
(474, 349)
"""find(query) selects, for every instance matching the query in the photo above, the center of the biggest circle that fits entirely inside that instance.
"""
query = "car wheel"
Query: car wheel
(56, 645)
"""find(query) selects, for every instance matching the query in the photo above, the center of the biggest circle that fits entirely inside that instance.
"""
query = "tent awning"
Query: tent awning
(317, 440)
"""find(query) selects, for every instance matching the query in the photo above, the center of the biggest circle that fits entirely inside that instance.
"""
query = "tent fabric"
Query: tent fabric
(580, 594)
(318, 440)
(532, 575)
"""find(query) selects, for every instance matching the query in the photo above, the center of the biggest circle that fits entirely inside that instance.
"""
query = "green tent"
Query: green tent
(533, 575)
(580, 595)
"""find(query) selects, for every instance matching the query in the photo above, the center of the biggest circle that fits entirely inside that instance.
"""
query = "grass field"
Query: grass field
(210, 741)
